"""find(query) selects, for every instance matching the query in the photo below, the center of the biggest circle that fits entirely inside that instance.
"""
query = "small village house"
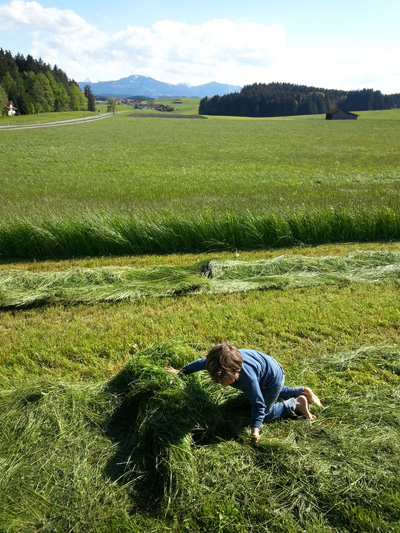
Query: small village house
(340, 114)
(11, 110)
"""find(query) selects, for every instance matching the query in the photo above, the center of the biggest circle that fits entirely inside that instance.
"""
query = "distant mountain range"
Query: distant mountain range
(144, 86)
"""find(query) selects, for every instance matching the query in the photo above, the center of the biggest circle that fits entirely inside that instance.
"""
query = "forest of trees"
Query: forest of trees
(35, 87)
(286, 99)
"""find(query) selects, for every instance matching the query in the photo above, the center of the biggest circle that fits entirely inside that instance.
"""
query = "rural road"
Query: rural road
(59, 123)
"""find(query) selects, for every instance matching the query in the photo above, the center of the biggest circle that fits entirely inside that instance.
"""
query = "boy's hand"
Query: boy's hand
(255, 433)
(171, 370)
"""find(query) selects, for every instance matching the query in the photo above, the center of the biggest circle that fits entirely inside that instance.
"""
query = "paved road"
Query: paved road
(59, 123)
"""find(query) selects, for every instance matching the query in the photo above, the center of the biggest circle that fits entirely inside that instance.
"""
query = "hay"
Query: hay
(151, 451)
(23, 288)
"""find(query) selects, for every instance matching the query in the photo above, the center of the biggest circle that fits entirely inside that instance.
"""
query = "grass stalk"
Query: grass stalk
(101, 235)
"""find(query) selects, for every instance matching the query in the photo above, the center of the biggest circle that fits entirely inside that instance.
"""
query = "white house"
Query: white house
(11, 109)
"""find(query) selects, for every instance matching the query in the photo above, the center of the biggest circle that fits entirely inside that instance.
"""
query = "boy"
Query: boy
(260, 377)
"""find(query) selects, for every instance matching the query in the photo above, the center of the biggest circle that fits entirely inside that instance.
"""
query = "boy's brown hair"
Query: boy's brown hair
(223, 363)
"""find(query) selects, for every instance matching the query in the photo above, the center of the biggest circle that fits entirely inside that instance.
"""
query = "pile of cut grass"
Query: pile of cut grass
(152, 451)
(19, 288)
(99, 235)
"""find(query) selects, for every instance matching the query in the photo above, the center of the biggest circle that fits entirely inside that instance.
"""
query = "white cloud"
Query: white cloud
(57, 36)
(343, 68)
(171, 51)
(32, 16)
(195, 53)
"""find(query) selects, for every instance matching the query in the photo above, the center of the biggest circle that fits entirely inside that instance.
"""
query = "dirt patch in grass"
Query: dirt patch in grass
(161, 115)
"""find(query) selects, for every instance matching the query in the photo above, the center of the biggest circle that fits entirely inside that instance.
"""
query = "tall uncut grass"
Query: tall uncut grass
(149, 451)
(65, 237)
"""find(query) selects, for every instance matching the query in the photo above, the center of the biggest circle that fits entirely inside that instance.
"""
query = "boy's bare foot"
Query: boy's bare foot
(302, 407)
(311, 397)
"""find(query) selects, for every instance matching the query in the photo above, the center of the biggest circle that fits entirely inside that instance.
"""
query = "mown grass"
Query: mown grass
(92, 342)
(97, 437)
(187, 186)
(19, 288)
(150, 451)
(153, 260)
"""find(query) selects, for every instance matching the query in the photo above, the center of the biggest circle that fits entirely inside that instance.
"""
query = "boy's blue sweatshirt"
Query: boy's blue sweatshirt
(259, 371)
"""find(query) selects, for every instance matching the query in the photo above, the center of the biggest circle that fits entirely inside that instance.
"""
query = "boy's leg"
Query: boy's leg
(295, 403)
(285, 409)
(273, 410)
(291, 392)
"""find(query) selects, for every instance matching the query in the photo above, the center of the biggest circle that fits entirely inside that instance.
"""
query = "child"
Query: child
(260, 377)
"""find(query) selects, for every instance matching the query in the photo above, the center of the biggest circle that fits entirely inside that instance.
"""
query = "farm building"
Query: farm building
(11, 109)
(340, 114)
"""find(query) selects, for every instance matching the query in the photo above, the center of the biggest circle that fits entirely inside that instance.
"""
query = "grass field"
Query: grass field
(95, 436)
(161, 186)
(41, 118)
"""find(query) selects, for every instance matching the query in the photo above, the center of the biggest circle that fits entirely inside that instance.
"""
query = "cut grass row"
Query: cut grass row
(19, 288)
(92, 342)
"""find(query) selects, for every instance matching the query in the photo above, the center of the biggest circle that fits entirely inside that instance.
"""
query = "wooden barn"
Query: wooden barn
(340, 114)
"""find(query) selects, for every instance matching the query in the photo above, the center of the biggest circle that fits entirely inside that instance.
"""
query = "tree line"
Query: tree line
(286, 99)
(35, 87)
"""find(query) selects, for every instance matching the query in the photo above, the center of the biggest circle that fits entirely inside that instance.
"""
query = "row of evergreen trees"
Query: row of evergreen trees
(286, 99)
(35, 87)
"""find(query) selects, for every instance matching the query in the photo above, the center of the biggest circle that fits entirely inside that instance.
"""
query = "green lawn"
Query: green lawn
(278, 165)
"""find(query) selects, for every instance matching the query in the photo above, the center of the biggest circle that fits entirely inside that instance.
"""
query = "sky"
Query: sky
(345, 44)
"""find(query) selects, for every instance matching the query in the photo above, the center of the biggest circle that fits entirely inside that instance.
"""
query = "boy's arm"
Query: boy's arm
(254, 395)
(195, 366)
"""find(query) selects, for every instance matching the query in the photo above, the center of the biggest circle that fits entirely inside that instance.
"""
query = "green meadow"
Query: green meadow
(41, 118)
(145, 185)
(288, 239)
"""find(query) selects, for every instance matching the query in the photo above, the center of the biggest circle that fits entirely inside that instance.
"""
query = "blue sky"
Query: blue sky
(346, 44)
